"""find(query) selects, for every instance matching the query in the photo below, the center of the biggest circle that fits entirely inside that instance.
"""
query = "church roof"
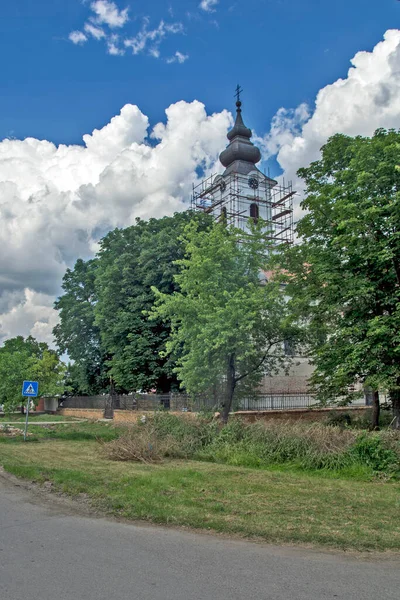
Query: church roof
(241, 155)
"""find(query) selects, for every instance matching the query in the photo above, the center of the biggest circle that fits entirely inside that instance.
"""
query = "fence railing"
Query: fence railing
(184, 402)
(282, 401)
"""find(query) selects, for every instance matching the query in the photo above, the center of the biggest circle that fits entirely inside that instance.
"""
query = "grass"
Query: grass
(18, 418)
(305, 446)
(278, 504)
(77, 431)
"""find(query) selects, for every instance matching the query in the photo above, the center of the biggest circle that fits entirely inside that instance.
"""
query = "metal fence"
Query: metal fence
(94, 402)
(282, 401)
(184, 402)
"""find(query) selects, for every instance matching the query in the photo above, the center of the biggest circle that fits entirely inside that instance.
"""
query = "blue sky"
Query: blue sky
(60, 194)
(281, 51)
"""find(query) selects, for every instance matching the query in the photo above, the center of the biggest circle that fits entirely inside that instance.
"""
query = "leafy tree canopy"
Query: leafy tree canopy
(227, 327)
(345, 275)
(27, 359)
(130, 262)
(103, 323)
(77, 334)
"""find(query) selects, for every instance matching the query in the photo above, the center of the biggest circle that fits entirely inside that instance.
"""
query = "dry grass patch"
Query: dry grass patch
(308, 446)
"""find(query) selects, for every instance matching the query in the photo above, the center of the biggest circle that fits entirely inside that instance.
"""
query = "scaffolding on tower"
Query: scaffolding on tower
(230, 198)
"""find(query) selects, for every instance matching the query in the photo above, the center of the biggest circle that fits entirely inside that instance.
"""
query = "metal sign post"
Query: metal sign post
(26, 419)
(30, 390)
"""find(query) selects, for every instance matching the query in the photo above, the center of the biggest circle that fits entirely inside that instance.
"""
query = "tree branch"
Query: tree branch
(258, 365)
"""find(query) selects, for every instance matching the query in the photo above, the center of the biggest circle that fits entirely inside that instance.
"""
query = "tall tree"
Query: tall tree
(130, 262)
(27, 359)
(77, 334)
(227, 327)
(345, 276)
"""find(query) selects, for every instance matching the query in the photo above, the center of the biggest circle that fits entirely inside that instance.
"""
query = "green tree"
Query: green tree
(227, 327)
(27, 359)
(345, 275)
(77, 333)
(130, 262)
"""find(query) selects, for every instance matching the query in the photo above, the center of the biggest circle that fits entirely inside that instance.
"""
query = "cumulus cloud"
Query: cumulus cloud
(77, 37)
(178, 57)
(368, 98)
(57, 202)
(208, 5)
(108, 13)
(31, 314)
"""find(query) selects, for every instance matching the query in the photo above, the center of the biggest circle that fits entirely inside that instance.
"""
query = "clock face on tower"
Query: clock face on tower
(253, 183)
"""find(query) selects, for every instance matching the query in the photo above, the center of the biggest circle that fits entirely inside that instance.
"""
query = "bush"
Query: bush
(308, 445)
(143, 446)
(338, 419)
(370, 450)
(305, 445)
(364, 421)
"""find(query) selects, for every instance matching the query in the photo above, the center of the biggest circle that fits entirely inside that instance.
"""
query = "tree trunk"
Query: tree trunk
(376, 409)
(230, 389)
(395, 399)
(109, 407)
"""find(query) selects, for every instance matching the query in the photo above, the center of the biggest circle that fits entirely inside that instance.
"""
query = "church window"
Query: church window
(288, 347)
(254, 212)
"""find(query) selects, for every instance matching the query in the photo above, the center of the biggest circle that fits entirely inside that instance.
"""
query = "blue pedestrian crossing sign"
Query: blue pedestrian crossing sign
(30, 388)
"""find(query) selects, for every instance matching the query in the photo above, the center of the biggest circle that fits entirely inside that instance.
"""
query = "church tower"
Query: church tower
(243, 193)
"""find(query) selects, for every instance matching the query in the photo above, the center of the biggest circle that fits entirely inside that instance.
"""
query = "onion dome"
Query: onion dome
(240, 147)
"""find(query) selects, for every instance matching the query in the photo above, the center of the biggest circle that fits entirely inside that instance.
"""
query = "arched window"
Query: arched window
(223, 216)
(254, 212)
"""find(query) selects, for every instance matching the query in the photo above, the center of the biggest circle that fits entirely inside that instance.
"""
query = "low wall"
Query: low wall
(296, 414)
(120, 416)
(82, 413)
(129, 416)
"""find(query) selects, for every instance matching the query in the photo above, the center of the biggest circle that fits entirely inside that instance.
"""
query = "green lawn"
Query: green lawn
(274, 505)
(17, 417)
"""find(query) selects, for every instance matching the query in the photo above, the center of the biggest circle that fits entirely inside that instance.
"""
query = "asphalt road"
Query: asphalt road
(49, 553)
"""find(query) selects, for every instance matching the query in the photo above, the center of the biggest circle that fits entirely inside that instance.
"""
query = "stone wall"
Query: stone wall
(82, 413)
(297, 414)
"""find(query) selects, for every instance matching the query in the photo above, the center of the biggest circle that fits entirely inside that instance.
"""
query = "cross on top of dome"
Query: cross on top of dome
(240, 147)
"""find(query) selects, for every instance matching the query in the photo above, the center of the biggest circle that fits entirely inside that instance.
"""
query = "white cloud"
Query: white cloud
(77, 37)
(56, 202)
(152, 37)
(107, 16)
(178, 57)
(97, 32)
(112, 46)
(208, 5)
(108, 13)
(368, 98)
(32, 314)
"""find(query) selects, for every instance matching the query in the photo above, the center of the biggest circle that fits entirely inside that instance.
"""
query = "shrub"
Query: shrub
(371, 450)
(338, 419)
(143, 446)
(306, 445)
(364, 420)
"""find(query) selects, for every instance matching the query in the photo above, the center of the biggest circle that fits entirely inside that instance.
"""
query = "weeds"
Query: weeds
(307, 446)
